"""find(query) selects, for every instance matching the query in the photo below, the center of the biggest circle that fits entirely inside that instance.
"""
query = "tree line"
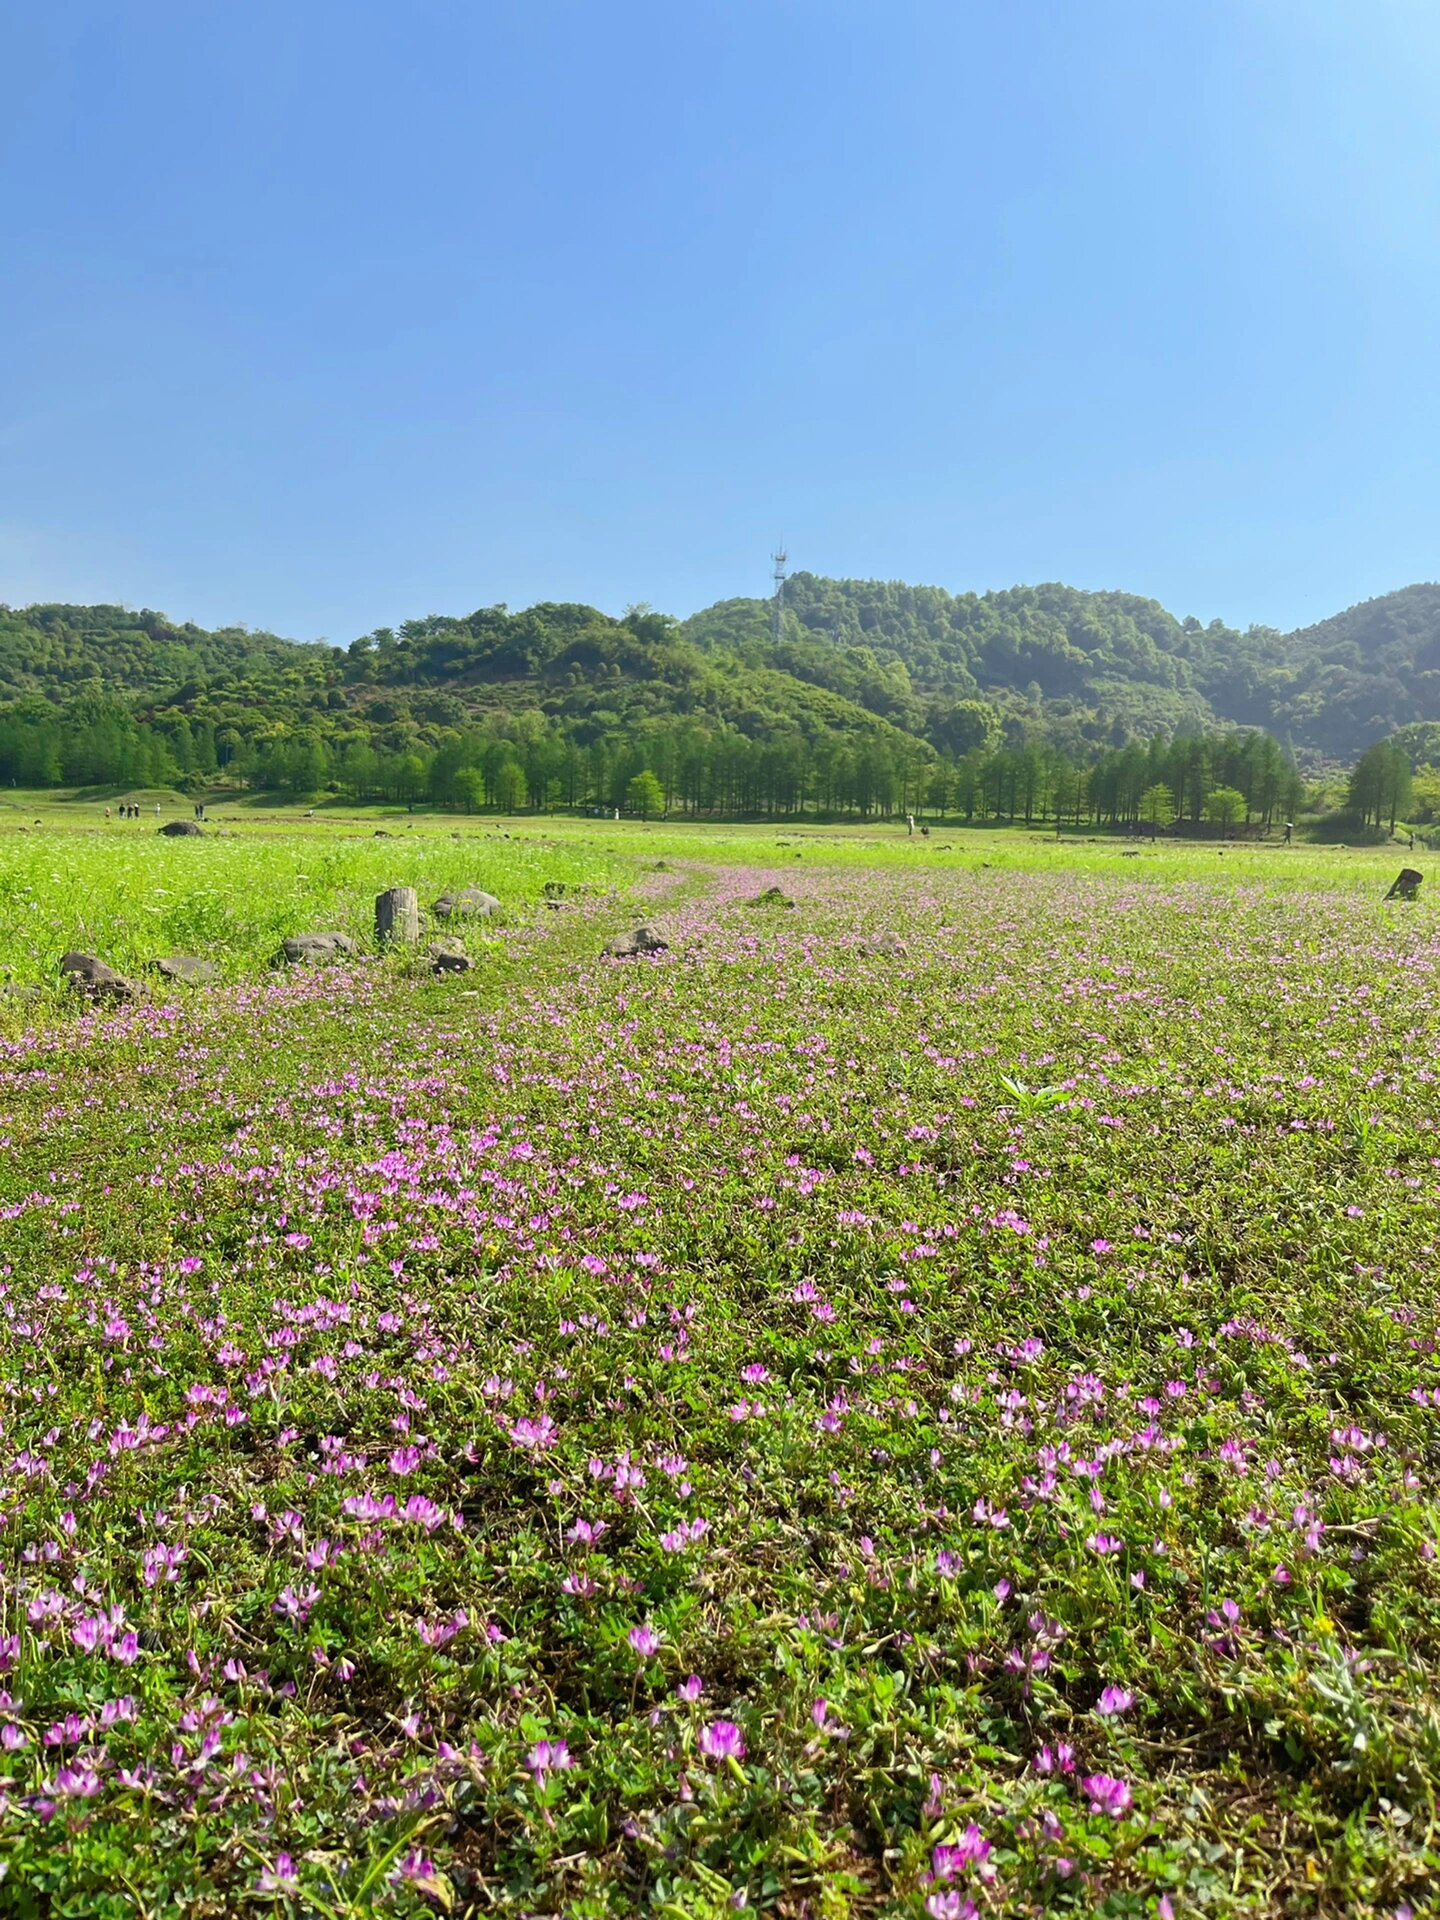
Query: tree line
(528, 762)
(1220, 779)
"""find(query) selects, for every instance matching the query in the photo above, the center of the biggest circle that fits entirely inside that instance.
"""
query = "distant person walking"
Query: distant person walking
(1289, 831)
(910, 826)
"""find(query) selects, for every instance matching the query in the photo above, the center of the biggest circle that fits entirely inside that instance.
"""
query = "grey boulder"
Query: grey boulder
(317, 949)
(448, 956)
(469, 903)
(629, 946)
(96, 981)
(186, 970)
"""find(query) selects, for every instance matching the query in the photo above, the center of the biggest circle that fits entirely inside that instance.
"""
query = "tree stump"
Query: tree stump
(397, 917)
(1407, 885)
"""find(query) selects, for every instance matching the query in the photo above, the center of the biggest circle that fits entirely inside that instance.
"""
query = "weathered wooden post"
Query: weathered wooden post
(397, 917)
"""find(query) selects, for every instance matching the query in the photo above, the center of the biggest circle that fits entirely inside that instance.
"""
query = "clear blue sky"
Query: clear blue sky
(317, 314)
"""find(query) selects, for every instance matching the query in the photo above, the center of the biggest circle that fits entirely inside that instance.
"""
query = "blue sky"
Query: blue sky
(317, 314)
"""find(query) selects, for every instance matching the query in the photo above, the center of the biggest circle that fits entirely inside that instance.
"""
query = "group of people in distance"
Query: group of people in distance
(129, 810)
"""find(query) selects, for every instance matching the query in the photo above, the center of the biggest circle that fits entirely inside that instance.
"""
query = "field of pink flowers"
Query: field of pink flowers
(776, 1426)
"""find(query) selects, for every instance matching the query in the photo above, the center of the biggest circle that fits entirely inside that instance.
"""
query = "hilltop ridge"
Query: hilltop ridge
(857, 662)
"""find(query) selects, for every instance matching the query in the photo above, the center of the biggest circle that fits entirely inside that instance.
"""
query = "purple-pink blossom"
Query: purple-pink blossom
(972, 1849)
(281, 1878)
(1106, 1794)
(548, 1756)
(722, 1740)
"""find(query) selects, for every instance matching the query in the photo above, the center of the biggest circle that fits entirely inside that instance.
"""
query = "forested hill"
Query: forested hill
(859, 667)
(55, 651)
(1102, 667)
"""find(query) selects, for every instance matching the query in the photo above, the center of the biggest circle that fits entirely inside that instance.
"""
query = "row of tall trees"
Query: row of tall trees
(695, 771)
(508, 766)
(1380, 785)
(1215, 779)
(97, 743)
(531, 761)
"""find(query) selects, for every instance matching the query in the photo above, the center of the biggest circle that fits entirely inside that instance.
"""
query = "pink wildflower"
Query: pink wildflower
(722, 1740)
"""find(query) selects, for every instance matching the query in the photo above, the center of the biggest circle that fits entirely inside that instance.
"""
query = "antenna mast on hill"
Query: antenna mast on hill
(779, 557)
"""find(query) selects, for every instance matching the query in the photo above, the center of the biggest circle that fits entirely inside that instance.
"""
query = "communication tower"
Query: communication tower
(778, 606)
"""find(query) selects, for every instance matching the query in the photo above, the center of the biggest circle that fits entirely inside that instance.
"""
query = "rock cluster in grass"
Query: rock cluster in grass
(92, 978)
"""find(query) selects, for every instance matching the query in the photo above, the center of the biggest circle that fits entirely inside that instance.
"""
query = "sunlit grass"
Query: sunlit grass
(782, 1427)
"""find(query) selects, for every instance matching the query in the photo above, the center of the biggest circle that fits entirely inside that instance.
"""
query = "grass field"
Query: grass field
(69, 878)
(781, 1426)
(130, 895)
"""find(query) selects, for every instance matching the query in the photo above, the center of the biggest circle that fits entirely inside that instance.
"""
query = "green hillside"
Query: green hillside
(872, 688)
(57, 651)
(1090, 668)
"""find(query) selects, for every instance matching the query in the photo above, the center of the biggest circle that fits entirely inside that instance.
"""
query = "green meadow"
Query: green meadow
(921, 1398)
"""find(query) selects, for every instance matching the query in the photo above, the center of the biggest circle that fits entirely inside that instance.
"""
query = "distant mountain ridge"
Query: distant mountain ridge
(856, 660)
